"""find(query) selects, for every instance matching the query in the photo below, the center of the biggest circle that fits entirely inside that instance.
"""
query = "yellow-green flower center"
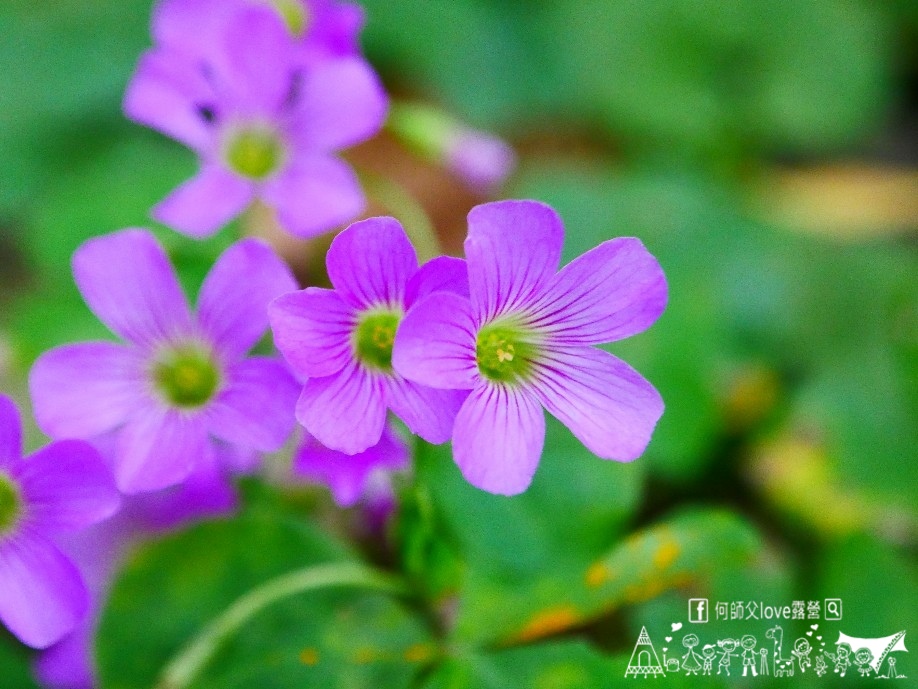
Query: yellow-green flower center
(374, 337)
(254, 152)
(504, 353)
(187, 377)
(295, 15)
(10, 503)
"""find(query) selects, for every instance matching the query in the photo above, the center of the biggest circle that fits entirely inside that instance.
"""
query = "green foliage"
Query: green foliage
(171, 588)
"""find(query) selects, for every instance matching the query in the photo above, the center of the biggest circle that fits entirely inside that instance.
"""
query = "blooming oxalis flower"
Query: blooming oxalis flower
(63, 487)
(341, 340)
(181, 391)
(523, 341)
(265, 123)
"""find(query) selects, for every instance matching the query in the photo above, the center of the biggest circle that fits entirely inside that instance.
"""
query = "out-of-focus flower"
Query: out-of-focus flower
(481, 160)
(353, 478)
(265, 124)
(63, 487)
(182, 388)
(341, 339)
(524, 341)
(99, 550)
(321, 28)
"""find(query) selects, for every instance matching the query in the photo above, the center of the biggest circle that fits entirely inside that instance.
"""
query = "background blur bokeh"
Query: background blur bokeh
(765, 152)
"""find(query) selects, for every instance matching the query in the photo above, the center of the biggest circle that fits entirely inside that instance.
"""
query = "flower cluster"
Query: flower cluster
(474, 350)
(266, 94)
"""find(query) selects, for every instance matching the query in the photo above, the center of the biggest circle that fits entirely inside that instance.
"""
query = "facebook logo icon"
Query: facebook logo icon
(698, 610)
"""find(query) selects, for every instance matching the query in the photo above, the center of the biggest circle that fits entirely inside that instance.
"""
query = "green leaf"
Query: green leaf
(558, 665)
(685, 550)
(172, 588)
(14, 664)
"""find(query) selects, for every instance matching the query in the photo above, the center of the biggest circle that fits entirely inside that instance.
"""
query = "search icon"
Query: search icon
(833, 608)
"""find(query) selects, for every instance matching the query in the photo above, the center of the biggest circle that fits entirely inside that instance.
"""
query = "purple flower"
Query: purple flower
(61, 488)
(265, 124)
(353, 478)
(481, 160)
(341, 339)
(181, 389)
(99, 550)
(523, 341)
(320, 27)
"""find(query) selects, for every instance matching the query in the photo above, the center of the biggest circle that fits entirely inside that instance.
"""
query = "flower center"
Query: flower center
(503, 353)
(10, 503)
(186, 377)
(254, 152)
(295, 15)
(374, 337)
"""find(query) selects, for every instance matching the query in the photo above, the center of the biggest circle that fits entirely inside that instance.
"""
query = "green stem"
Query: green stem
(193, 658)
(398, 201)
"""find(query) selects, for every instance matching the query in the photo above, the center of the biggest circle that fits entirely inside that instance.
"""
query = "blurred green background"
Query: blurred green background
(765, 152)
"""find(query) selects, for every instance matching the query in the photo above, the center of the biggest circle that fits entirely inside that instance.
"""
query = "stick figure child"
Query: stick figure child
(749, 654)
(690, 660)
(802, 650)
(708, 655)
(841, 658)
(728, 646)
(862, 659)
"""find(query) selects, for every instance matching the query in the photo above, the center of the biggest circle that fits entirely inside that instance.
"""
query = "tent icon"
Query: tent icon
(644, 659)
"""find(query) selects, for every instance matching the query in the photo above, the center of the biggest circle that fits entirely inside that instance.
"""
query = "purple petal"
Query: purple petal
(611, 292)
(255, 408)
(312, 329)
(334, 28)
(84, 390)
(428, 412)
(257, 60)
(128, 282)
(165, 93)
(191, 25)
(158, 449)
(482, 161)
(233, 304)
(341, 103)
(513, 250)
(207, 492)
(435, 343)
(68, 663)
(605, 402)
(498, 440)
(371, 262)
(10, 431)
(67, 486)
(346, 411)
(347, 475)
(206, 202)
(42, 596)
(441, 274)
(314, 194)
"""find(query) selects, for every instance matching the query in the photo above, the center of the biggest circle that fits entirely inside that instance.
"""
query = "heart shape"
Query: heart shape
(810, 633)
(668, 639)
(676, 626)
(820, 638)
(814, 626)
(665, 649)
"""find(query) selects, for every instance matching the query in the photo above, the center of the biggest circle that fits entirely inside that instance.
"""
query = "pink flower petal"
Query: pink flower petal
(498, 440)
(233, 303)
(128, 282)
(605, 402)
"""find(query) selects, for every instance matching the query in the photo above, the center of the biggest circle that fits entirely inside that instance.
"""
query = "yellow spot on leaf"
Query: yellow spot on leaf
(309, 656)
(549, 622)
(365, 655)
(418, 653)
(666, 554)
(598, 574)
